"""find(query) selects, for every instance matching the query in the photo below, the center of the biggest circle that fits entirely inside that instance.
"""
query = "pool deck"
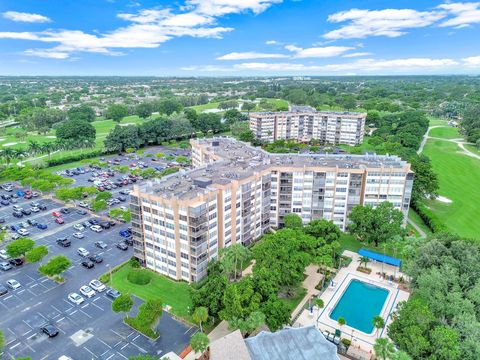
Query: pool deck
(332, 295)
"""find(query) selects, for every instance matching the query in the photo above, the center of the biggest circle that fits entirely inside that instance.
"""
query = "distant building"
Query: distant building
(305, 343)
(237, 192)
(304, 123)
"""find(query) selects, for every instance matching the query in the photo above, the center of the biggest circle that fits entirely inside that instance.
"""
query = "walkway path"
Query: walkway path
(312, 280)
(418, 228)
(20, 163)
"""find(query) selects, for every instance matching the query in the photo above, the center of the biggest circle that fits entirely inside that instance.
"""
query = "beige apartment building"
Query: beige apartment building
(304, 123)
(237, 192)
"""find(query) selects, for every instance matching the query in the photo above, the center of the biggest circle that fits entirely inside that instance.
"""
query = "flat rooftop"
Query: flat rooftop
(241, 160)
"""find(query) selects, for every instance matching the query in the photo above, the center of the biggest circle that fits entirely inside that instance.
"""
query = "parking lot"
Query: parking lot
(92, 329)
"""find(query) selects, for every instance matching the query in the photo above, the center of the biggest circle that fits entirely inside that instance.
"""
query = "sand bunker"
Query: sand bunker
(10, 144)
(444, 199)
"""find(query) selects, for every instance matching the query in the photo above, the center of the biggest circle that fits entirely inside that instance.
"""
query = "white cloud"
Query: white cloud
(317, 52)
(250, 55)
(472, 61)
(386, 22)
(464, 14)
(361, 66)
(272, 42)
(357, 54)
(25, 17)
(148, 28)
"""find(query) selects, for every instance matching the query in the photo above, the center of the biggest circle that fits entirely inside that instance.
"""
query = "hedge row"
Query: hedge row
(429, 217)
(74, 157)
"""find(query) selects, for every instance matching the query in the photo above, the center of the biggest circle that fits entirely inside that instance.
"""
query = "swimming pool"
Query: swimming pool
(359, 304)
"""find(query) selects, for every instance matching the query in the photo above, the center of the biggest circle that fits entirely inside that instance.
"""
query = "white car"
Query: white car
(23, 232)
(4, 255)
(34, 209)
(83, 204)
(83, 252)
(87, 291)
(96, 228)
(78, 235)
(13, 284)
(75, 298)
(97, 285)
(79, 227)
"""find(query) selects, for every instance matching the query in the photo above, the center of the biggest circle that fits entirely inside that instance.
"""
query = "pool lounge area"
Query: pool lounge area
(359, 304)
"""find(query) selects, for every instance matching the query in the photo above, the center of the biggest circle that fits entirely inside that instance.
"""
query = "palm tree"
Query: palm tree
(383, 348)
(199, 342)
(378, 323)
(400, 355)
(364, 260)
(33, 147)
(341, 321)
(200, 315)
(8, 154)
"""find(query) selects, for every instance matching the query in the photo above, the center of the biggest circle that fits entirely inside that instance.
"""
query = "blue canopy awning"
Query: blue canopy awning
(379, 257)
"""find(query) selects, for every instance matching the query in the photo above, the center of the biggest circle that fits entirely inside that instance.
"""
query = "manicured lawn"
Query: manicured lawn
(175, 294)
(348, 242)
(436, 121)
(412, 215)
(359, 149)
(458, 177)
(293, 302)
(209, 106)
(473, 149)
(445, 133)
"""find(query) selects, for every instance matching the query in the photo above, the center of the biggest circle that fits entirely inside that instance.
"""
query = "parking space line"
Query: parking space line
(139, 348)
(63, 318)
(104, 343)
(34, 285)
(27, 324)
(84, 306)
(29, 331)
(124, 346)
(136, 337)
(55, 308)
(91, 317)
(72, 312)
(95, 356)
(110, 357)
(14, 346)
(8, 297)
(97, 306)
(31, 336)
(122, 355)
(21, 291)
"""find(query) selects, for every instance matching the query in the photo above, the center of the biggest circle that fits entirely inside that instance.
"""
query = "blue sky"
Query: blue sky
(239, 37)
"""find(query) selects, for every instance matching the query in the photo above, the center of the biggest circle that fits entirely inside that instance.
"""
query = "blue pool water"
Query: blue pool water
(359, 304)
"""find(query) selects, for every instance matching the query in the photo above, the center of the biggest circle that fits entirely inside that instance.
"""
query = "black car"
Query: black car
(64, 242)
(4, 290)
(112, 223)
(26, 212)
(81, 212)
(32, 222)
(122, 246)
(100, 244)
(50, 330)
(93, 222)
(96, 258)
(42, 207)
(129, 241)
(88, 264)
(105, 224)
(16, 262)
(112, 294)
(5, 197)
(17, 214)
(65, 211)
(5, 202)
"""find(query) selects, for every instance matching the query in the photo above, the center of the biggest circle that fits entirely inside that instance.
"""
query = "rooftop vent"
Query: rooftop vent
(202, 182)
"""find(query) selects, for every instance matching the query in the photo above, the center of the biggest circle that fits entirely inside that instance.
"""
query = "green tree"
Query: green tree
(341, 321)
(247, 136)
(55, 266)
(123, 303)
(445, 341)
(199, 342)
(76, 130)
(324, 229)
(376, 225)
(123, 137)
(383, 348)
(36, 254)
(2, 341)
(104, 195)
(276, 313)
(255, 320)
(248, 106)
(400, 355)
(144, 110)
(426, 182)
(20, 247)
(364, 260)
(116, 112)
(200, 315)
(378, 323)
(99, 205)
(82, 112)
(293, 221)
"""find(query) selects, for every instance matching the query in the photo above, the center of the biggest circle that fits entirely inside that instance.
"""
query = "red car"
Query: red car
(59, 221)
(56, 214)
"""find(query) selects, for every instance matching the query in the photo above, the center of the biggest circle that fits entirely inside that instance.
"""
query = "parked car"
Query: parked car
(81, 212)
(83, 252)
(56, 214)
(83, 204)
(93, 221)
(5, 266)
(122, 246)
(26, 212)
(17, 214)
(100, 244)
(112, 294)
(42, 207)
(5, 202)
(75, 298)
(59, 220)
(4, 255)
(64, 242)
(96, 228)
(32, 222)
(65, 210)
(97, 285)
(125, 233)
(96, 258)
(42, 226)
(129, 241)
(23, 232)
(16, 262)
(79, 227)
(34, 209)
(87, 291)
(3, 290)
(13, 284)
(50, 330)
(104, 225)
(88, 264)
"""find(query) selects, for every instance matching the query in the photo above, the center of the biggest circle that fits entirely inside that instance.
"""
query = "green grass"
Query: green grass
(473, 149)
(437, 121)
(348, 242)
(293, 302)
(458, 177)
(175, 294)
(445, 133)
(413, 216)
(359, 149)
(209, 106)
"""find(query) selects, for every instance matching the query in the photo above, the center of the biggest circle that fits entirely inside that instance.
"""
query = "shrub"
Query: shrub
(134, 262)
(147, 318)
(139, 277)
(65, 159)
(429, 217)
(364, 270)
(346, 342)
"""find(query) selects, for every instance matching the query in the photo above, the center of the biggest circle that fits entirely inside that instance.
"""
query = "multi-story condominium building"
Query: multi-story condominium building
(237, 192)
(303, 123)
